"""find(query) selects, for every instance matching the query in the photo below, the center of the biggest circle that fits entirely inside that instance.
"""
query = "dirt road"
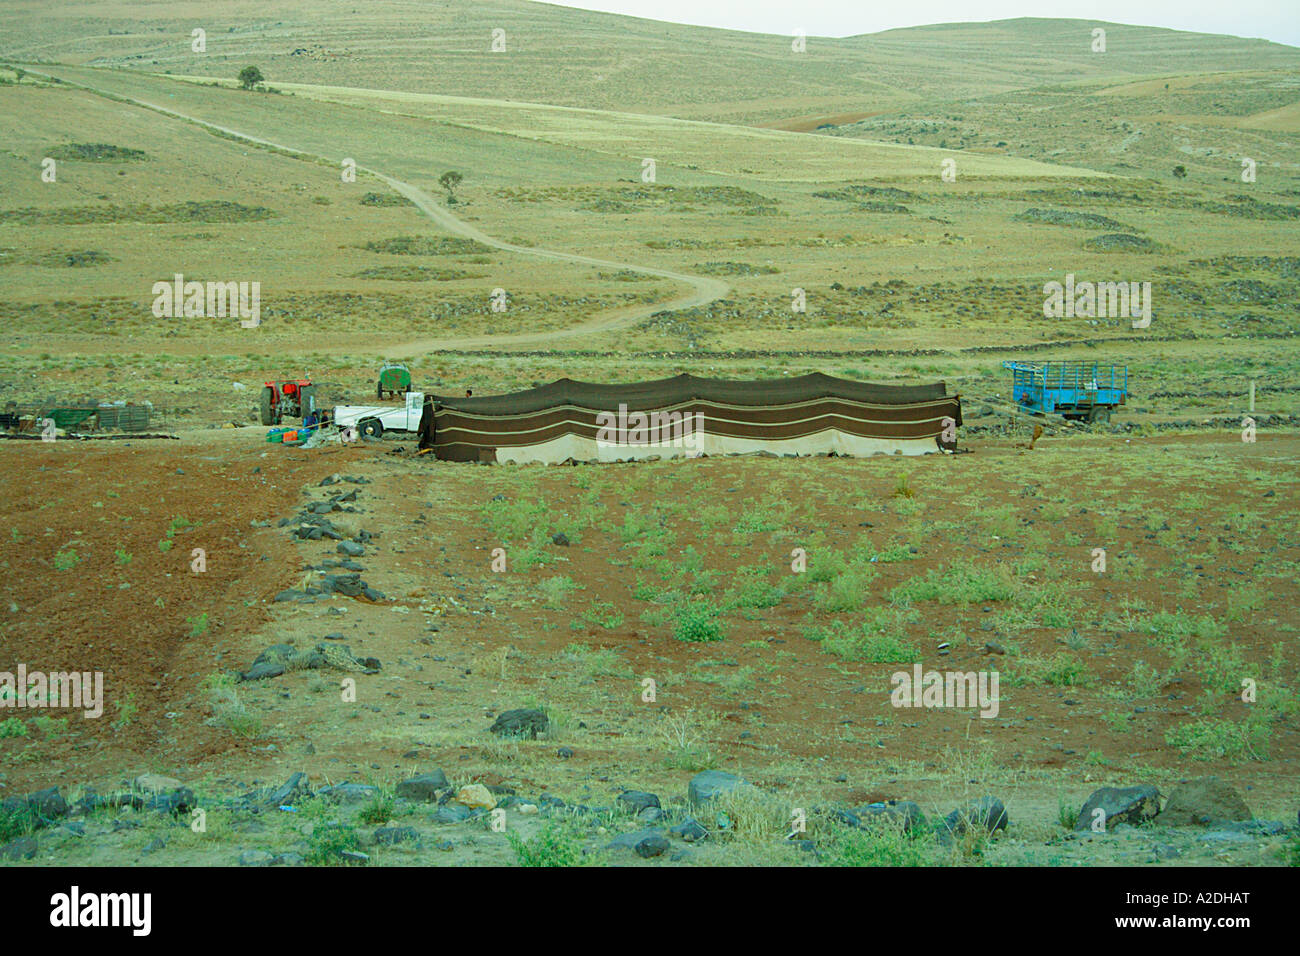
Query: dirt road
(703, 289)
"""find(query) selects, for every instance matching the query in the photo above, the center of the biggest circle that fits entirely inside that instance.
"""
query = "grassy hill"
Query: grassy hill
(602, 61)
(1058, 151)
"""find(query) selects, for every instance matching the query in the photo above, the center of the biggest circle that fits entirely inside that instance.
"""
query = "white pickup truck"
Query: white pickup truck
(373, 420)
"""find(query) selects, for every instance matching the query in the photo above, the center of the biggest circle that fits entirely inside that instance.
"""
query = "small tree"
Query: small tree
(250, 77)
(449, 181)
(1180, 172)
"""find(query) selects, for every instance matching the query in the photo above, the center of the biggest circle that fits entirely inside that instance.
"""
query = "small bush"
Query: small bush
(555, 845)
(555, 590)
(1211, 738)
(378, 811)
(1067, 813)
(327, 841)
(66, 560)
(875, 846)
(697, 622)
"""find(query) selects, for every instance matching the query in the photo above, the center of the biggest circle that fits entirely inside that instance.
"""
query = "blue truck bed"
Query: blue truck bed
(1072, 389)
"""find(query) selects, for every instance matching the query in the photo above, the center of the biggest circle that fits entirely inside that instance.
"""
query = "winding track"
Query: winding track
(704, 289)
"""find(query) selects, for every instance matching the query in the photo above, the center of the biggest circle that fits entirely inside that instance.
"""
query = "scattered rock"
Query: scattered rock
(424, 788)
(708, 784)
(690, 830)
(46, 804)
(1134, 805)
(23, 848)
(349, 793)
(1257, 827)
(986, 813)
(1203, 802)
(638, 800)
(451, 813)
(840, 815)
(476, 796)
(903, 814)
(652, 846)
(523, 722)
(351, 549)
(291, 791)
(256, 858)
(262, 671)
(645, 843)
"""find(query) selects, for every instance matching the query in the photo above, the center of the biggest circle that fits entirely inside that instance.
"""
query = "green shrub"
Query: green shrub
(555, 845)
(1209, 738)
(697, 622)
(847, 591)
(1067, 812)
(876, 846)
(880, 639)
(327, 841)
(555, 590)
(378, 810)
(959, 584)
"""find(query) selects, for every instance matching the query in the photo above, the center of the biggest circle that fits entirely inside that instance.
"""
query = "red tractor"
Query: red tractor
(294, 399)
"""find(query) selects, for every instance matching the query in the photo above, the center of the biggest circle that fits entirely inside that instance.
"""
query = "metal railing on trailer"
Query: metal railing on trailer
(1074, 388)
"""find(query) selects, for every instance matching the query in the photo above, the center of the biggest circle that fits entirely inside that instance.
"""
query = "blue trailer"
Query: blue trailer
(1081, 390)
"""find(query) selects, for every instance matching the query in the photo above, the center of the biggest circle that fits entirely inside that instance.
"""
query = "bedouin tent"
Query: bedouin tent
(687, 416)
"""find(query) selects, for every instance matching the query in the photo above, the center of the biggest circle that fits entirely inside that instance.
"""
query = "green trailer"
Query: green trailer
(394, 379)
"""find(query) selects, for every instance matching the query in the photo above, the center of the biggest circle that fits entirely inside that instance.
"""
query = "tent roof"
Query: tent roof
(683, 388)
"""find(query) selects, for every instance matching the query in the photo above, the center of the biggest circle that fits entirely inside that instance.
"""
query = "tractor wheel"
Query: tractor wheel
(268, 406)
(306, 400)
(371, 428)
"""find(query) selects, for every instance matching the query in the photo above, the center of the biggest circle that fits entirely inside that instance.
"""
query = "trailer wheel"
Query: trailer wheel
(1098, 414)
(371, 428)
(379, 390)
(268, 406)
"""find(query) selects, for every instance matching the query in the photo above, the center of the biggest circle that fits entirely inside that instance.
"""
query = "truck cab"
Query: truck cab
(373, 420)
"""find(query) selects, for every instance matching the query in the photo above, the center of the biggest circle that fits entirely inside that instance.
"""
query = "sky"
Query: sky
(1277, 20)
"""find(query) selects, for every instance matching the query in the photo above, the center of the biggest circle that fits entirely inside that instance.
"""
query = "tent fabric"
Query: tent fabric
(685, 416)
(667, 391)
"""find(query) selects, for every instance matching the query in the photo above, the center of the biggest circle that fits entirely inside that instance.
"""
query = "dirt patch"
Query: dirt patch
(786, 696)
